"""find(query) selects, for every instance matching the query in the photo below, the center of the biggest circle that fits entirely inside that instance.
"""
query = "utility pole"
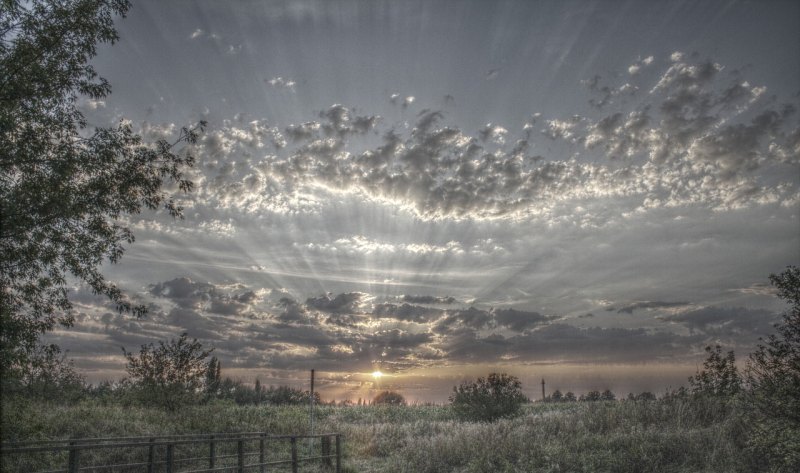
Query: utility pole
(311, 440)
(543, 397)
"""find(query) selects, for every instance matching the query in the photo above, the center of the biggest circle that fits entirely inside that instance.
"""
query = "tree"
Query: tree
(488, 399)
(607, 395)
(213, 376)
(171, 374)
(719, 376)
(591, 396)
(285, 395)
(389, 398)
(570, 397)
(50, 376)
(773, 376)
(63, 188)
(556, 396)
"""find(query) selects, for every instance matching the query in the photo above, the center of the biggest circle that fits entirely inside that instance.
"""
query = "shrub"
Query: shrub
(773, 374)
(719, 376)
(169, 375)
(488, 399)
(390, 398)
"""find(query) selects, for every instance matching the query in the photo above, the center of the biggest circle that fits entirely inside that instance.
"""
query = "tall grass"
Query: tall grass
(677, 435)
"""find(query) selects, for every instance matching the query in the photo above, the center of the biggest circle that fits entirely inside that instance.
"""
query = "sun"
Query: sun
(377, 374)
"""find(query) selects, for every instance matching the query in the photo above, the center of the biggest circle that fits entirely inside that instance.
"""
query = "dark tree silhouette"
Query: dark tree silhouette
(719, 376)
(390, 398)
(773, 375)
(170, 375)
(490, 398)
(64, 188)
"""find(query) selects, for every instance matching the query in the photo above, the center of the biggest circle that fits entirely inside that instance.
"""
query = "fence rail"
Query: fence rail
(237, 452)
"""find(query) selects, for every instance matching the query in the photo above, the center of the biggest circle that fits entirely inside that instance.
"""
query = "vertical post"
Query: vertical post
(338, 453)
(261, 452)
(543, 396)
(170, 458)
(212, 453)
(294, 454)
(74, 455)
(151, 455)
(326, 451)
(240, 453)
(311, 439)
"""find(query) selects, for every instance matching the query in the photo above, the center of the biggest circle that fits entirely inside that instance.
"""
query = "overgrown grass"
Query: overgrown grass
(677, 435)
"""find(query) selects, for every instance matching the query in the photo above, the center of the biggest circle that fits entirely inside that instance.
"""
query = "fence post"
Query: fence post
(338, 453)
(151, 453)
(294, 454)
(74, 455)
(326, 451)
(212, 453)
(240, 453)
(261, 458)
(170, 458)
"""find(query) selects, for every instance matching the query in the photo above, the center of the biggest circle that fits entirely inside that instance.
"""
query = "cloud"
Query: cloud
(630, 308)
(281, 83)
(407, 312)
(699, 138)
(519, 320)
(562, 342)
(341, 303)
(428, 299)
(188, 294)
(728, 321)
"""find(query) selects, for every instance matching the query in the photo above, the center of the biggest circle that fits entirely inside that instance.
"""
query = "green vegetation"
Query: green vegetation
(676, 434)
(496, 396)
(390, 398)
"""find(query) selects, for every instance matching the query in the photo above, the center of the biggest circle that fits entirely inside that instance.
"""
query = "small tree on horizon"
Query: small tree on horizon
(389, 398)
(171, 374)
(719, 376)
(487, 399)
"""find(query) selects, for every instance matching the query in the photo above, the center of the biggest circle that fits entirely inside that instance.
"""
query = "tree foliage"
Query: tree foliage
(773, 375)
(170, 375)
(50, 377)
(389, 398)
(65, 189)
(490, 398)
(719, 376)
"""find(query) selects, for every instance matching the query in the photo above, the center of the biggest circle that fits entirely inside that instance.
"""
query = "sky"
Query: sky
(588, 192)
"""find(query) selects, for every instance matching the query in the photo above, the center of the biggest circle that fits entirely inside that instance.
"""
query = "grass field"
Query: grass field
(678, 435)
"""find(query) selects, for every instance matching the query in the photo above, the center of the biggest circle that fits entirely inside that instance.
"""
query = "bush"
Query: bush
(389, 397)
(488, 399)
(719, 376)
(170, 375)
(773, 374)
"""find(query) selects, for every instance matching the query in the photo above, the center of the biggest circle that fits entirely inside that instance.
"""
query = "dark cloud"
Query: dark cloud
(630, 308)
(183, 291)
(733, 321)
(194, 295)
(407, 312)
(293, 312)
(568, 343)
(471, 319)
(519, 320)
(341, 303)
(428, 299)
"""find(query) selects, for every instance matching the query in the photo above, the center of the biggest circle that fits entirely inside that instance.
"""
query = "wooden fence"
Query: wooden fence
(238, 452)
